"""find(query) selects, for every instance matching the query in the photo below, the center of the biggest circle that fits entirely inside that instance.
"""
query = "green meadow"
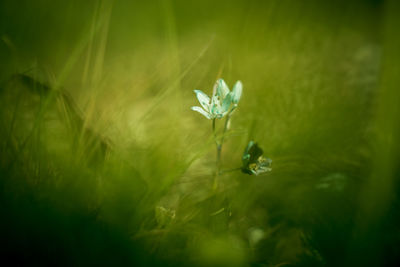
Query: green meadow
(103, 162)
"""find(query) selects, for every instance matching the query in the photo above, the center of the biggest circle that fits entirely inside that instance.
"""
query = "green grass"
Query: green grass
(102, 162)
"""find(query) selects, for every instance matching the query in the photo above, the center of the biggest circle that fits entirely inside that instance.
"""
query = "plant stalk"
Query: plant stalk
(219, 148)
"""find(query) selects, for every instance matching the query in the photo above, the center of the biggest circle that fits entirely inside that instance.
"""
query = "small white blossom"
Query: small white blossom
(221, 103)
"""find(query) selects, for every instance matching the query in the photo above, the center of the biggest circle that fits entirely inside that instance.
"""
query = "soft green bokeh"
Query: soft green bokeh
(103, 163)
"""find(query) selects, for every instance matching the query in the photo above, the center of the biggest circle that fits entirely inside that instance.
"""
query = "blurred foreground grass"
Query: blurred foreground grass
(103, 162)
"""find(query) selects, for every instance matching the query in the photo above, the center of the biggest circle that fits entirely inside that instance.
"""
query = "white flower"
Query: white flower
(221, 103)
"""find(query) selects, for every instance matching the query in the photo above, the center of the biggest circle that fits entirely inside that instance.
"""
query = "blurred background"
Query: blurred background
(102, 162)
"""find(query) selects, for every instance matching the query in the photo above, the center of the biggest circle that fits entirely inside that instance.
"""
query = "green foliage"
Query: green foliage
(253, 160)
(103, 163)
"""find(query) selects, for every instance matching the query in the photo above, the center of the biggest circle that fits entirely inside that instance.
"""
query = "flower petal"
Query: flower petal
(237, 92)
(201, 111)
(222, 89)
(216, 110)
(204, 100)
(226, 103)
(215, 104)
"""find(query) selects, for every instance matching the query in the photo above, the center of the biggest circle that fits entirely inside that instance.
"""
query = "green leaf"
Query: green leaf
(253, 160)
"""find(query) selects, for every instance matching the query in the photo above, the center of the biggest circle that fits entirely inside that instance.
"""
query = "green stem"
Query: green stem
(219, 148)
(218, 159)
(214, 132)
(228, 117)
